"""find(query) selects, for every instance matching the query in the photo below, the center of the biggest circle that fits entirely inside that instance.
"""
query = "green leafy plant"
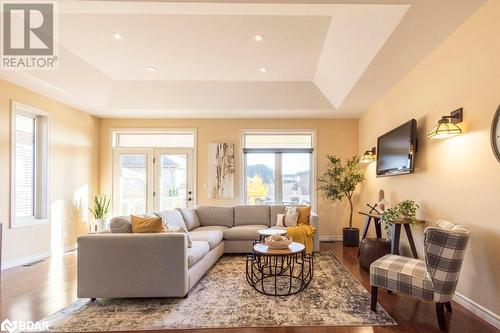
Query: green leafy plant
(340, 180)
(404, 210)
(101, 207)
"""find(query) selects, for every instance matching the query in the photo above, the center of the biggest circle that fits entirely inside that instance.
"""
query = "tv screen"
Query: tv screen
(396, 150)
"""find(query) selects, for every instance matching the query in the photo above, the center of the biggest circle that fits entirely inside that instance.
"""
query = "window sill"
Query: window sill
(28, 223)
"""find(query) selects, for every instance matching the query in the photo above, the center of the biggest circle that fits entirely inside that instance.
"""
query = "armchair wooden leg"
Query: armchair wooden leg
(440, 316)
(374, 298)
(447, 305)
(92, 299)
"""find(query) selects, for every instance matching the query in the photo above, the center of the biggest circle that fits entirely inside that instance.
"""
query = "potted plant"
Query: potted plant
(339, 182)
(406, 210)
(100, 211)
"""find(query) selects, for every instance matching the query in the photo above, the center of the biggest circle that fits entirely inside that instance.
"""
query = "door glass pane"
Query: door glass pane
(260, 171)
(25, 166)
(133, 184)
(296, 169)
(173, 181)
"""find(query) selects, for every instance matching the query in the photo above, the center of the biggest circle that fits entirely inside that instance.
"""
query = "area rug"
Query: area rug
(223, 298)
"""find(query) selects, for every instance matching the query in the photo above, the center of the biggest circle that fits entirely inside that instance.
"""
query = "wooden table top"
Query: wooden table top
(379, 216)
(293, 248)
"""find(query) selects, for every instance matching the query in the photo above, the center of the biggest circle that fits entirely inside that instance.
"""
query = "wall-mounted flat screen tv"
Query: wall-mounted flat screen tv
(396, 150)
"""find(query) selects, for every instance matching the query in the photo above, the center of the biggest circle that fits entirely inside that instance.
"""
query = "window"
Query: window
(153, 139)
(278, 168)
(153, 170)
(29, 165)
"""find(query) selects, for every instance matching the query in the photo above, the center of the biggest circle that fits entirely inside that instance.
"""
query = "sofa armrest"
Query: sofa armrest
(132, 265)
(314, 221)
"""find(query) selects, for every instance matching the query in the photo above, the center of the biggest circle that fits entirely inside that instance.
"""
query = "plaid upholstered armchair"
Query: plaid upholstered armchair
(433, 279)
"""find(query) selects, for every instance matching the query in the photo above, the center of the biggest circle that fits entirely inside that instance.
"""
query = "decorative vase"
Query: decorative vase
(100, 225)
(350, 237)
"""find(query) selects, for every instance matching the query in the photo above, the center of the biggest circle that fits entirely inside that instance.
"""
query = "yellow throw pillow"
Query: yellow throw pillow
(146, 224)
(304, 213)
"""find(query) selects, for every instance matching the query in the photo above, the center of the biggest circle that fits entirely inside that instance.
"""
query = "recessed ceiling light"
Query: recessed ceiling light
(152, 68)
(259, 38)
(117, 36)
(263, 69)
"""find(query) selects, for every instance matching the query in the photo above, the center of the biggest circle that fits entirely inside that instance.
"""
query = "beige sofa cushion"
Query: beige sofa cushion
(244, 232)
(190, 217)
(252, 215)
(211, 234)
(216, 215)
(197, 252)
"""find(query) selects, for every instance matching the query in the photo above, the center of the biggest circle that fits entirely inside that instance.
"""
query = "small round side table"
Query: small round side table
(279, 272)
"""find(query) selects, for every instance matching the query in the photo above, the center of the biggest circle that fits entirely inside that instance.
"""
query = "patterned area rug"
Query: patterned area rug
(223, 298)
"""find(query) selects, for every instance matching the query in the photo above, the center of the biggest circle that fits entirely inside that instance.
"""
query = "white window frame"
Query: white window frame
(113, 147)
(278, 189)
(41, 161)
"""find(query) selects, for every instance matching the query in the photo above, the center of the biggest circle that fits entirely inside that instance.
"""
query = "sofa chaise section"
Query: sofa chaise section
(112, 265)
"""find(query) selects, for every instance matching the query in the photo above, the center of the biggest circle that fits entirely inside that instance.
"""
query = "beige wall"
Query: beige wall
(73, 173)
(457, 179)
(332, 136)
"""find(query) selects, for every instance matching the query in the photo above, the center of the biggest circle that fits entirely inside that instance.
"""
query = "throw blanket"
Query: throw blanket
(303, 233)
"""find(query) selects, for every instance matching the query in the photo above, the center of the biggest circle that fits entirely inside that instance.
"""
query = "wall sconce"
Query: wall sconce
(368, 156)
(446, 126)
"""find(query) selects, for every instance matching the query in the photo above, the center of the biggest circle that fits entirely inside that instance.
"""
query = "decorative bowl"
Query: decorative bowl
(278, 241)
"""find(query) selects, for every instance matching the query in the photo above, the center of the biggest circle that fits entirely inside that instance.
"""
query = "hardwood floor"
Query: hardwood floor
(32, 293)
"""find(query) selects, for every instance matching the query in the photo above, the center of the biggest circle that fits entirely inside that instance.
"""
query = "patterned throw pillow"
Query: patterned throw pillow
(171, 228)
(291, 216)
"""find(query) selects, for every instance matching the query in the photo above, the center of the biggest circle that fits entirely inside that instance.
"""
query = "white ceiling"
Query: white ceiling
(322, 60)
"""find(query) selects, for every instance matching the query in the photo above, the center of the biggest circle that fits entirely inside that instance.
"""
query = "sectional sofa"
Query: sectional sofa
(117, 263)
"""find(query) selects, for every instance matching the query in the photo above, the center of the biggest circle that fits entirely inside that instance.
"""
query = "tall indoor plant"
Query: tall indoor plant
(339, 182)
(100, 211)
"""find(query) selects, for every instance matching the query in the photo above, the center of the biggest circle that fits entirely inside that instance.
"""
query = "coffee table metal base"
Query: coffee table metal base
(279, 275)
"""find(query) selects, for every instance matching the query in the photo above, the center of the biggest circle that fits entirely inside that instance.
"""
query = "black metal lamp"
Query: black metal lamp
(446, 126)
(368, 156)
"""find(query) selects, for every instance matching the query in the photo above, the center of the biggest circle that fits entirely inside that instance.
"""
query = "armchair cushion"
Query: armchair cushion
(404, 275)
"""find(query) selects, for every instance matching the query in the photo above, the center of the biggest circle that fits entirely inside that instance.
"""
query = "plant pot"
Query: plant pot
(350, 237)
(100, 225)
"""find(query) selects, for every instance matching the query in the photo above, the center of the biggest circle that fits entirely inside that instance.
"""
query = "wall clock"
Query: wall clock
(495, 134)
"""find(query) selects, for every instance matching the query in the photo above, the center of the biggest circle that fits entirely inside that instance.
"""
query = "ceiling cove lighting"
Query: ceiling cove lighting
(152, 69)
(368, 156)
(117, 36)
(259, 38)
(263, 69)
(446, 126)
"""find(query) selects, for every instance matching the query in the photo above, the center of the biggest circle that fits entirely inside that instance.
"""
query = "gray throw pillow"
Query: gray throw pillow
(120, 225)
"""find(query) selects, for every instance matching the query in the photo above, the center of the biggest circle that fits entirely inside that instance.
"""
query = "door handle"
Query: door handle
(189, 199)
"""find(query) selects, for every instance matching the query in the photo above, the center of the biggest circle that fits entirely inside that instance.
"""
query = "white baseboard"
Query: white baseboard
(478, 310)
(334, 238)
(71, 247)
(26, 260)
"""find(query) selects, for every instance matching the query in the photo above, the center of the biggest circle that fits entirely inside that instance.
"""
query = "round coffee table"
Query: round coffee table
(279, 272)
(263, 233)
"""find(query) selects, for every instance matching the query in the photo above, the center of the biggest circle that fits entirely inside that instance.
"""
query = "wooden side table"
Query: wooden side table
(396, 231)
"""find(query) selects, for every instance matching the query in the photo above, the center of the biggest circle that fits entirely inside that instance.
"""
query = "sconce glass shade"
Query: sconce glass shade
(368, 156)
(444, 130)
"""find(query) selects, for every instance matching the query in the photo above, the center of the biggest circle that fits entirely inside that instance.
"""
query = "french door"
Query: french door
(147, 180)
